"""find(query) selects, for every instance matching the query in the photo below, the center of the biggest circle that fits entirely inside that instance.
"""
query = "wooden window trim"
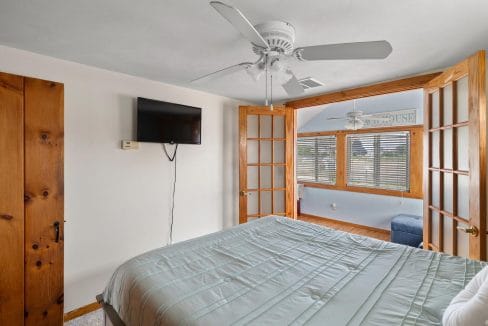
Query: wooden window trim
(394, 86)
(416, 161)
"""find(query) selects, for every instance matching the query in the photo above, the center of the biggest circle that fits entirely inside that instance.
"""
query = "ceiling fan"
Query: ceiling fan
(273, 42)
(355, 119)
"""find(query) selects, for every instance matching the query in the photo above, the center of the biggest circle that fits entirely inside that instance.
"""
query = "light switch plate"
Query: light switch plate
(129, 144)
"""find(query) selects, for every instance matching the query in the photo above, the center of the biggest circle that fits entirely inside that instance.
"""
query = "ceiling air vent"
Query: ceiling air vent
(309, 82)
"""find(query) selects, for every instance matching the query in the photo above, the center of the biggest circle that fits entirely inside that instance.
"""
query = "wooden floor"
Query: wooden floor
(347, 227)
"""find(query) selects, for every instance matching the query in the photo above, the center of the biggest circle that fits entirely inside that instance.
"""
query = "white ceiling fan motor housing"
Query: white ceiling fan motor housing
(354, 114)
(279, 35)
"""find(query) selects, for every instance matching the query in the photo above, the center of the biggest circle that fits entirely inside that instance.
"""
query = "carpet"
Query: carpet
(94, 318)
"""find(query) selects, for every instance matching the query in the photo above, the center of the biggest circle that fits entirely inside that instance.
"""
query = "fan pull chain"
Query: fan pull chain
(266, 73)
(354, 110)
(271, 91)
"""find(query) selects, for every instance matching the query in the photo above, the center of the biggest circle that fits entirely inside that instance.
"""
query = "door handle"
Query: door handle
(243, 193)
(473, 230)
(56, 230)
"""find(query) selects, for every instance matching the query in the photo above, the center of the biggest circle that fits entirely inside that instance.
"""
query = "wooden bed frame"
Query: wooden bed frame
(110, 316)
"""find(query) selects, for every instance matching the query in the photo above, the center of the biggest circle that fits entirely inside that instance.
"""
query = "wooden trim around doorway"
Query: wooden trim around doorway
(394, 86)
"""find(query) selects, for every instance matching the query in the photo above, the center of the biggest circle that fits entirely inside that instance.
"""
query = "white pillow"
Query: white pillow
(470, 306)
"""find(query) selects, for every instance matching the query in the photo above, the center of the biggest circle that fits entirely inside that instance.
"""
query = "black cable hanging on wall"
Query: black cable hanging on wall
(172, 159)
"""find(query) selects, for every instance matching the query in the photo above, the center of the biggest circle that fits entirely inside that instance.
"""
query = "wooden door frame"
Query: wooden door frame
(382, 88)
(290, 134)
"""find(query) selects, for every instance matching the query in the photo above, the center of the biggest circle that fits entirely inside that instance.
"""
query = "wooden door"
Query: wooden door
(266, 163)
(11, 199)
(31, 201)
(44, 200)
(455, 160)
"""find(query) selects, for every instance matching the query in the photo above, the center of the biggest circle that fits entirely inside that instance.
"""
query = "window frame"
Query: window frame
(316, 156)
(416, 161)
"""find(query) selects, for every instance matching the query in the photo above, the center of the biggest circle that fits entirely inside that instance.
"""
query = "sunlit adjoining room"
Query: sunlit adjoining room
(234, 162)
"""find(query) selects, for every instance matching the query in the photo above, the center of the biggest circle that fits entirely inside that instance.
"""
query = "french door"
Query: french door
(455, 160)
(266, 162)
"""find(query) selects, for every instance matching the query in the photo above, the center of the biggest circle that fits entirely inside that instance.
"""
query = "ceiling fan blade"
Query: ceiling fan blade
(223, 72)
(336, 118)
(240, 22)
(345, 51)
(292, 86)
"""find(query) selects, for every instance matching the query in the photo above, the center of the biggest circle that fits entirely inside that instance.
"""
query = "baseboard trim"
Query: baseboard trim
(81, 311)
(360, 226)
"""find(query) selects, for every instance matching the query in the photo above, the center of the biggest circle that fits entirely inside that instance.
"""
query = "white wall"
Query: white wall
(117, 202)
(359, 208)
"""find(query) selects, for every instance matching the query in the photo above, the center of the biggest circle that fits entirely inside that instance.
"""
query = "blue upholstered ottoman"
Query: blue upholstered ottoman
(407, 230)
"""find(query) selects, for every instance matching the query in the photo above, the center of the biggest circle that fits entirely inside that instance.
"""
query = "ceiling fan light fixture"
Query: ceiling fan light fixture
(349, 125)
(354, 124)
(280, 72)
(282, 77)
(255, 72)
(359, 124)
(277, 67)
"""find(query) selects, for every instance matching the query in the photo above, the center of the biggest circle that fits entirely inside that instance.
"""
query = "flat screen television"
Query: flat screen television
(163, 122)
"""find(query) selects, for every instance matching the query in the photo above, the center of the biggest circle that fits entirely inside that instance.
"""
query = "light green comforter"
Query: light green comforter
(277, 271)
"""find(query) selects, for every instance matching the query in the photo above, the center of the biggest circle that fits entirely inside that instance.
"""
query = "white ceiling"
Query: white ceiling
(174, 41)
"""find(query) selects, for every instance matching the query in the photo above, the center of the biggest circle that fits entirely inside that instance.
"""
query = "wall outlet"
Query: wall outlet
(129, 144)
(300, 189)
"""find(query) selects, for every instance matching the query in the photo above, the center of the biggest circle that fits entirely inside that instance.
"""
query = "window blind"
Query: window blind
(316, 159)
(379, 160)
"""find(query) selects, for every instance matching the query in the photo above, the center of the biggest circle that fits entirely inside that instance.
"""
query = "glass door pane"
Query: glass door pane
(265, 177)
(279, 177)
(279, 202)
(279, 126)
(435, 110)
(252, 126)
(252, 177)
(265, 126)
(462, 100)
(279, 151)
(447, 105)
(266, 202)
(252, 203)
(265, 151)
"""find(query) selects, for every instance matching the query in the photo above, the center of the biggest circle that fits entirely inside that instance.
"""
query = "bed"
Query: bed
(278, 271)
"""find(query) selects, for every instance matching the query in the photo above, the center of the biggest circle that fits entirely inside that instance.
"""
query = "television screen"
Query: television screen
(163, 122)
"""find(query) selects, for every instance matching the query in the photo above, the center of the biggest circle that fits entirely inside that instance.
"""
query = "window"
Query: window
(379, 160)
(382, 161)
(316, 159)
